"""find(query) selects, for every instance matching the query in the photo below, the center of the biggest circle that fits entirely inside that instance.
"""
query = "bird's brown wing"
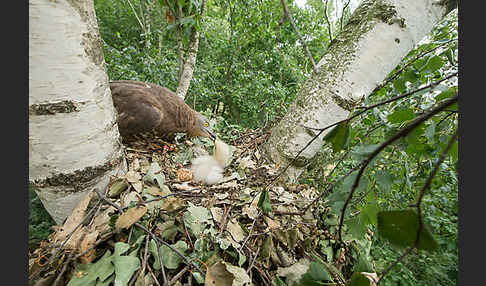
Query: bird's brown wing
(138, 111)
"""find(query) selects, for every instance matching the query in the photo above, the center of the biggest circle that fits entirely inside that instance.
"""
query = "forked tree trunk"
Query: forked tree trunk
(74, 143)
(377, 37)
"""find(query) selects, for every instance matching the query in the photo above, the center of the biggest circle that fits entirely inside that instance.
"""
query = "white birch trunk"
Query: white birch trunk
(74, 142)
(190, 63)
(377, 37)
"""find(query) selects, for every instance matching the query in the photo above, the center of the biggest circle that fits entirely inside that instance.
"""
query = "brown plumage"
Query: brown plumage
(144, 107)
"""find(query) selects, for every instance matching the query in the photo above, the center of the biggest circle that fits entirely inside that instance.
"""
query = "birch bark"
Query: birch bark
(74, 142)
(190, 62)
(377, 37)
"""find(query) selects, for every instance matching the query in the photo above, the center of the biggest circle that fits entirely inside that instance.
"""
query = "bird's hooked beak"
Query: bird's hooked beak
(211, 134)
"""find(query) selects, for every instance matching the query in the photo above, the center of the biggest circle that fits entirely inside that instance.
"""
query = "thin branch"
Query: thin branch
(164, 277)
(418, 205)
(329, 27)
(402, 133)
(342, 14)
(301, 38)
(134, 12)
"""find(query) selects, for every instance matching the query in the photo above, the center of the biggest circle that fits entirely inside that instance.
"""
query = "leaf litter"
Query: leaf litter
(227, 231)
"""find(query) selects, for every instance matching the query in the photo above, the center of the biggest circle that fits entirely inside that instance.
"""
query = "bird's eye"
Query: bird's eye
(206, 124)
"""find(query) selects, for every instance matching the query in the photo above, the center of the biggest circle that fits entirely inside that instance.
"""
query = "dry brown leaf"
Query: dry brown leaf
(250, 211)
(185, 187)
(88, 241)
(235, 230)
(133, 176)
(128, 218)
(272, 224)
(184, 175)
(74, 219)
(138, 186)
(217, 275)
(102, 221)
(171, 204)
(130, 197)
(217, 214)
(154, 191)
(135, 165)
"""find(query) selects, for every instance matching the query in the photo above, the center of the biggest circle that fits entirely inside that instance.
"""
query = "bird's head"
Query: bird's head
(203, 128)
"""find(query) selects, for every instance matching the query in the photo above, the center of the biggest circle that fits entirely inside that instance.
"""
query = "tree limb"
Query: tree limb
(402, 133)
(287, 15)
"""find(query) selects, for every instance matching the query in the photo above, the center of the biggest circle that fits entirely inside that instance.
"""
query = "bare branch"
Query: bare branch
(402, 133)
(342, 14)
(287, 15)
(134, 12)
(329, 27)
(418, 205)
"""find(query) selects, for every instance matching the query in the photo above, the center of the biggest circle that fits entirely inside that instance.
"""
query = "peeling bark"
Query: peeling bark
(74, 144)
(357, 61)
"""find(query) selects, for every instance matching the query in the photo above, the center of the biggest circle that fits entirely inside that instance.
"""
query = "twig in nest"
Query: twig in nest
(251, 230)
(160, 260)
(186, 260)
(64, 267)
(178, 275)
(153, 275)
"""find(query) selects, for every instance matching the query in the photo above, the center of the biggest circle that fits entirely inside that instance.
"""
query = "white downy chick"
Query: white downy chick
(209, 169)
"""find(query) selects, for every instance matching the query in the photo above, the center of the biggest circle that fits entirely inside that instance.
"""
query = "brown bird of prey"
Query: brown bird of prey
(144, 107)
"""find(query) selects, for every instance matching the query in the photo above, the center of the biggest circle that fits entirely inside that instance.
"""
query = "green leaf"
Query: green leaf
(264, 203)
(399, 84)
(279, 281)
(170, 258)
(318, 272)
(90, 272)
(454, 151)
(400, 228)
(446, 94)
(401, 115)
(356, 227)
(358, 279)
(430, 132)
(155, 175)
(187, 20)
(153, 250)
(362, 151)
(434, 64)
(369, 214)
(338, 136)
(383, 179)
(363, 265)
(125, 266)
(411, 76)
(196, 218)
